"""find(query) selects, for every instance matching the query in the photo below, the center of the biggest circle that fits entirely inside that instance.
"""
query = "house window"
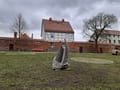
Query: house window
(109, 41)
(52, 36)
(119, 41)
(114, 41)
(118, 36)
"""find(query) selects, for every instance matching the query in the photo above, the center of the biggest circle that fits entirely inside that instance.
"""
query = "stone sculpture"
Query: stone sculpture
(60, 61)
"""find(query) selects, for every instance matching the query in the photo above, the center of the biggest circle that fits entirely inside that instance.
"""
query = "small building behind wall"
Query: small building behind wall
(110, 37)
(56, 31)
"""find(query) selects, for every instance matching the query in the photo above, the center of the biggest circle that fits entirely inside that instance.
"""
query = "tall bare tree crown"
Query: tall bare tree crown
(19, 25)
(95, 26)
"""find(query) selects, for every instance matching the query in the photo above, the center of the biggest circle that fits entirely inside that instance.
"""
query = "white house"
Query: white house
(110, 37)
(55, 31)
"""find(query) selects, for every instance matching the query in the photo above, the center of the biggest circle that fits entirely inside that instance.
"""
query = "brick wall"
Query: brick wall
(28, 45)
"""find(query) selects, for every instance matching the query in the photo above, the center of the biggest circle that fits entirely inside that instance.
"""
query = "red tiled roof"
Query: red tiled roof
(6, 38)
(57, 26)
(111, 32)
(24, 36)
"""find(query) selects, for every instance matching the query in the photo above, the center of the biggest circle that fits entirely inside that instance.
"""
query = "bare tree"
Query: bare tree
(95, 26)
(19, 25)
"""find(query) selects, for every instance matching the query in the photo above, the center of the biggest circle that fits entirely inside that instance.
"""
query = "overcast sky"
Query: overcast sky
(74, 11)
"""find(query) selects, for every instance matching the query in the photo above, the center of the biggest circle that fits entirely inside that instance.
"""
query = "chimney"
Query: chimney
(63, 20)
(32, 36)
(50, 19)
(15, 35)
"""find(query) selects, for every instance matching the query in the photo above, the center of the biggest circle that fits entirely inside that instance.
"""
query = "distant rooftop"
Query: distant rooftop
(57, 26)
(111, 32)
(24, 36)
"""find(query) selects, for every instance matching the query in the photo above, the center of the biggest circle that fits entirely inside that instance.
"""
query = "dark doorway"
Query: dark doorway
(101, 51)
(81, 49)
(11, 47)
(52, 45)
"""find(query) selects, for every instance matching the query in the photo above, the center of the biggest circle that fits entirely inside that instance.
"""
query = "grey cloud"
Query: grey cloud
(74, 11)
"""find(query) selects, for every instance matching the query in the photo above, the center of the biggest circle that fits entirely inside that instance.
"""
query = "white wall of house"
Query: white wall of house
(55, 36)
(110, 39)
(42, 32)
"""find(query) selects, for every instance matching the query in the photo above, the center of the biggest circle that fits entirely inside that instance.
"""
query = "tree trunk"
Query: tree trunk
(19, 28)
(96, 45)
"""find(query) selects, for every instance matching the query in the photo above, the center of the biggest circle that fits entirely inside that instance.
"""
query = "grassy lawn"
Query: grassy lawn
(32, 71)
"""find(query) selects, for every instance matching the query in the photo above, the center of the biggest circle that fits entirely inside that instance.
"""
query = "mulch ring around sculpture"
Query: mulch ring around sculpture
(20, 53)
(92, 60)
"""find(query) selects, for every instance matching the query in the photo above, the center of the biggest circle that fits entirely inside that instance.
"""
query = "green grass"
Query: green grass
(26, 71)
